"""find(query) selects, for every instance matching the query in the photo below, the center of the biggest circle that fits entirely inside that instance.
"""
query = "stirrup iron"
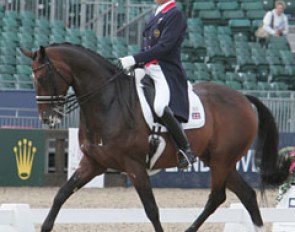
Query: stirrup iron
(184, 158)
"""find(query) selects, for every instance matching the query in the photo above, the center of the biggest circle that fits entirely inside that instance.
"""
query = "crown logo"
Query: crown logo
(24, 155)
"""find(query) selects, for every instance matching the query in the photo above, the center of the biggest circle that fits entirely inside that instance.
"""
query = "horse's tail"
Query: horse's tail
(274, 170)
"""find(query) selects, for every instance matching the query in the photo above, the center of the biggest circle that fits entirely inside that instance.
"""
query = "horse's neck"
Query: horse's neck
(112, 110)
(113, 98)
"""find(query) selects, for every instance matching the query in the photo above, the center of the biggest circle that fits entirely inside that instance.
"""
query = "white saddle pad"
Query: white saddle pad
(196, 109)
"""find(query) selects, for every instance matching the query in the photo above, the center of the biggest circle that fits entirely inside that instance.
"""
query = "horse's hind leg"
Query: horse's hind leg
(141, 182)
(86, 171)
(247, 196)
(216, 197)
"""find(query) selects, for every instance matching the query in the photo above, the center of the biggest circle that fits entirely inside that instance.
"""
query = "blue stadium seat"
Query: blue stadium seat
(7, 69)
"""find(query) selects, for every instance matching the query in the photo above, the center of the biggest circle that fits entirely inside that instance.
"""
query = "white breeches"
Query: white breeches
(162, 96)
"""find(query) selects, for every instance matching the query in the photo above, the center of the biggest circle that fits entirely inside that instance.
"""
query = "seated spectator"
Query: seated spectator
(275, 22)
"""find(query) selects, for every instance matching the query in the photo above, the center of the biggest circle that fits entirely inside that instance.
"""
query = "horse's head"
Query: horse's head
(51, 80)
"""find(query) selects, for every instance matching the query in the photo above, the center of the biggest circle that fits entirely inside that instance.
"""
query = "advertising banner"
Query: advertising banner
(22, 157)
(75, 155)
(198, 176)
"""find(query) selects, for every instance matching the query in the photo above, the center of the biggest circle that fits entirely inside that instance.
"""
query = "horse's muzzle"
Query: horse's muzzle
(52, 119)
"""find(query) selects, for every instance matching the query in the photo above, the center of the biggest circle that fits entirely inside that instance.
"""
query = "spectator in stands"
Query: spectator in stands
(275, 22)
(161, 58)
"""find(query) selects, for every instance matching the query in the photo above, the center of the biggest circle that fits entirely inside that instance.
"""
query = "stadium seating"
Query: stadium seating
(211, 16)
(7, 81)
(26, 31)
(234, 85)
(219, 45)
(200, 6)
(268, 4)
(228, 39)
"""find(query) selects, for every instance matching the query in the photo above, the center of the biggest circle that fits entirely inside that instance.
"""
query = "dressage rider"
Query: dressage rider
(161, 57)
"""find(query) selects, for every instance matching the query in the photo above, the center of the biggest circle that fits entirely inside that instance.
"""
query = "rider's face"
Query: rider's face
(160, 2)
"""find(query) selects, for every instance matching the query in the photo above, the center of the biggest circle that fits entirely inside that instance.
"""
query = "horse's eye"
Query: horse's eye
(42, 79)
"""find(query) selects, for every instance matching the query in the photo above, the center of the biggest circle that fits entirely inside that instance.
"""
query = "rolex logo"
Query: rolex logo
(24, 155)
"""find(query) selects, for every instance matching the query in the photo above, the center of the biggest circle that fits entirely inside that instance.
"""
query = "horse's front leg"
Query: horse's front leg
(141, 182)
(87, 170)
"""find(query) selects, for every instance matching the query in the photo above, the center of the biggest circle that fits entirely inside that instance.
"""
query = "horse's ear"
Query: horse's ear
(42, 51)
(27, 53)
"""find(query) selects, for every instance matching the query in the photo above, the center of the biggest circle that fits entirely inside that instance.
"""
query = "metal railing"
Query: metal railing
(283, 110)
(281, 104)
(19, 118)
(28, 118)
(106, 17)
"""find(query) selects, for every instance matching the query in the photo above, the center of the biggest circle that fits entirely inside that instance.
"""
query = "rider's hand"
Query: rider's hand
(127, 62)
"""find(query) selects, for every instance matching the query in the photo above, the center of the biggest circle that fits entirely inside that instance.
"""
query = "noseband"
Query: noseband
(54, 99)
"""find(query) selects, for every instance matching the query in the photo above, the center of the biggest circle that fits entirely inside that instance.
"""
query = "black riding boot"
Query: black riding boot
(180, 138)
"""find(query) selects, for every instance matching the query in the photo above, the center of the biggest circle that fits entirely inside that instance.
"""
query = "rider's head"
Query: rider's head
(160, 2)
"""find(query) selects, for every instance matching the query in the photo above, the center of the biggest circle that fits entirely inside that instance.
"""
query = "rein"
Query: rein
(74, 100)
(80, 100)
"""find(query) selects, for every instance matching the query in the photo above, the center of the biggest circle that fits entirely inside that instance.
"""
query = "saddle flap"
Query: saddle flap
(145, 87)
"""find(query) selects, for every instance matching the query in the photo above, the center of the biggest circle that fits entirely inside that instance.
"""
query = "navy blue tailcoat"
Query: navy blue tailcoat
(162, 39)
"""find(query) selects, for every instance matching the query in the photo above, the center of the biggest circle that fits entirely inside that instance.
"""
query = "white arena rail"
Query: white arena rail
(16, 218)
(20, 218)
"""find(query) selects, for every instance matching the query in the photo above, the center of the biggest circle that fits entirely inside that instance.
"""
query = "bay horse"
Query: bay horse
(113, 133)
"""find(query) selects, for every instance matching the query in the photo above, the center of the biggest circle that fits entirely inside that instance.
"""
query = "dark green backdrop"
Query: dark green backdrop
(24, 142)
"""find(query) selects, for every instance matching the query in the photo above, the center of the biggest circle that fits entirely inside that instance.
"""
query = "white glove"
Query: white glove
(127, 62)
